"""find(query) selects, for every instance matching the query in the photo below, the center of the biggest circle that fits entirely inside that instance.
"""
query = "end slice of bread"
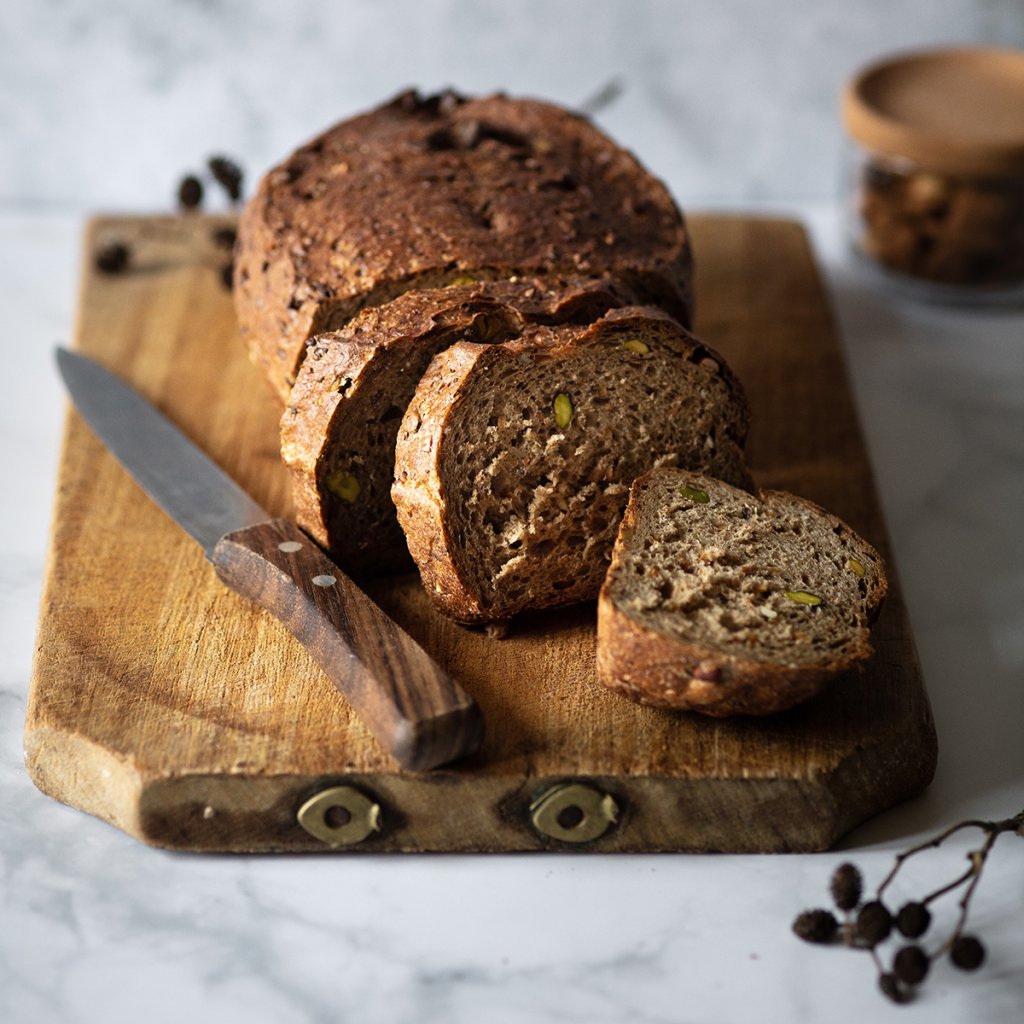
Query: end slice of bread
(726, 602)
(514, 460)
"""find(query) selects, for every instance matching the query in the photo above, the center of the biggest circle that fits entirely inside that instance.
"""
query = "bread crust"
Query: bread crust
(422, 503)
(422, 191)
(656, 670)
(420, 500)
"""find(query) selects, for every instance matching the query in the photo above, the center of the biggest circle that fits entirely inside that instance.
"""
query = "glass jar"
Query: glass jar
(937, 171)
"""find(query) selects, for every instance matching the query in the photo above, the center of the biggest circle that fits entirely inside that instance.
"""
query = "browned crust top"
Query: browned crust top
(433, 186)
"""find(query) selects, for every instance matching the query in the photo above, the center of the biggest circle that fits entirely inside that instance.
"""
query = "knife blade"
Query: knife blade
(418, 713)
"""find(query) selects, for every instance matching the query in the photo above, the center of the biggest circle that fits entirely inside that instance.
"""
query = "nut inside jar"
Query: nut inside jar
(957, 230)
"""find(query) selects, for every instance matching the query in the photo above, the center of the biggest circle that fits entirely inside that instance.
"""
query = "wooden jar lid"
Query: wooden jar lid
(956, 111)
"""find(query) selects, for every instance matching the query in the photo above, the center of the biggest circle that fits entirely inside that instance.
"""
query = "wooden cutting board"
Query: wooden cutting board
(173, 709)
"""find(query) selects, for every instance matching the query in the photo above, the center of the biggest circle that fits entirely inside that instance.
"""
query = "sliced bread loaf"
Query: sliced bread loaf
(338, 431)
(514, 460)
(726, 602)
(423, 191)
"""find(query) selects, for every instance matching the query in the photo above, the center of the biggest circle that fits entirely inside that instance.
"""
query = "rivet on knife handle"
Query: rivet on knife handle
(420, 715)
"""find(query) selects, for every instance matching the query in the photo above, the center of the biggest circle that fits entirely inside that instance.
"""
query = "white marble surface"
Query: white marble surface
(102, 105)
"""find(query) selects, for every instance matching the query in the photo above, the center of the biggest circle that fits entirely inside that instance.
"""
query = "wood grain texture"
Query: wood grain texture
(177, 711)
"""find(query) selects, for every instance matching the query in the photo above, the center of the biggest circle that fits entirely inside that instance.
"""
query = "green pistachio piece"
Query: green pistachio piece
(343, 485)
(695, 494)
(855, 567)
(803, 597)
(462, 279)
(563, 410)
(636, 345)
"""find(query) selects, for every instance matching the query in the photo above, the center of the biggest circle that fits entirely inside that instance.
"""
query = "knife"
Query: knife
(417, 712)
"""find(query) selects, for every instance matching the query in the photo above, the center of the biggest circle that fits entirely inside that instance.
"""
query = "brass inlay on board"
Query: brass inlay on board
(340, 816)
(573, 813)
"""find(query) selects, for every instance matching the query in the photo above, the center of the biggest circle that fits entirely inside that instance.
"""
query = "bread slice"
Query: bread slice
(514, 460)
(339, 429)
(421, 192)
(726, 602)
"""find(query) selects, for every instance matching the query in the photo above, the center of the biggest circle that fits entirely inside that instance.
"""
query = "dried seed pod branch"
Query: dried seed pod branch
(995, 827)
(868, 924)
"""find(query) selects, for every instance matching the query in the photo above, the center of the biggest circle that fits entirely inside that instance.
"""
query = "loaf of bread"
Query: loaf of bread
(514, 460)
(726, 602)
(339, 428)
(423, 192)
(477, 313)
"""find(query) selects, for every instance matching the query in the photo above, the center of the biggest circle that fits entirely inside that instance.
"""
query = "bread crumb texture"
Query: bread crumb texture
(716, 594)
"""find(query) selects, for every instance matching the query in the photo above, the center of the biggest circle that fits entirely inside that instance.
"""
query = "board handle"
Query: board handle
(418, 713)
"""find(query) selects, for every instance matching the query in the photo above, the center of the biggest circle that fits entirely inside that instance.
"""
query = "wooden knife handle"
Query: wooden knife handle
(420, 715)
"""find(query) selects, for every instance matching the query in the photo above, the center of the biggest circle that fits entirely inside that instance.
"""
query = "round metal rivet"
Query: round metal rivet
(340, 816)
(573, 813)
